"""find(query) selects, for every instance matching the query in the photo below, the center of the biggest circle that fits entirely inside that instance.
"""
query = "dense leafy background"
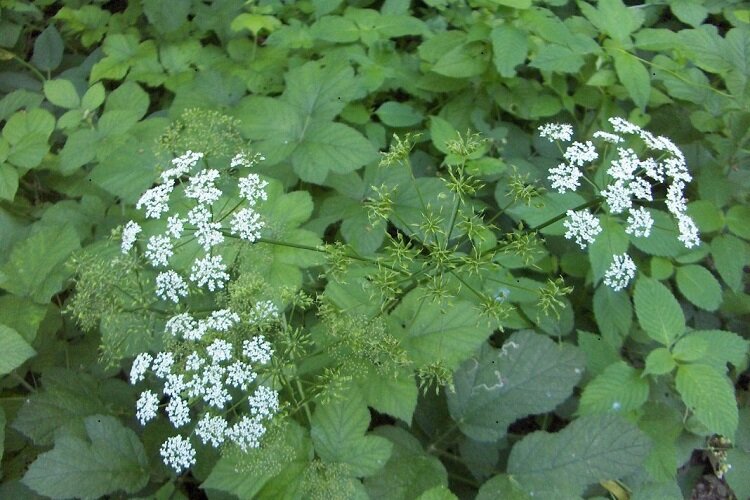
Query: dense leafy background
(618, 396)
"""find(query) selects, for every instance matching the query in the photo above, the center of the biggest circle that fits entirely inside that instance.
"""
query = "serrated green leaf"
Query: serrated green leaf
(48, 49)
(409, 471)
(690, 348)
(659, 362)
(722, 347)
(726, 251)
(531, 374)
(691, 12)
(663, 240)
(335, 29)
(61, 93)
(612, 241)
(659, 313)
(588, 450)
(36, 122)
(599, 353)
(613, 312)
(619, 388)
(699, 286)
(557, 58)
(79, 149)
(398, 114)
(338, 433)
(463, 61)
(8, 182)
(94, 97)
(710, 396)
(438, 493)
(663, 424)
(738, 221)
(112, 459)
(320, 91)
(14, 348)
(634, 76)
(509, 48)
(502, 486)
(614, 18)
(395, 396)
(35, 267)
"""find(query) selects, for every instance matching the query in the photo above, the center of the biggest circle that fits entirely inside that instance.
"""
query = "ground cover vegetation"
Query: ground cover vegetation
(395, 250)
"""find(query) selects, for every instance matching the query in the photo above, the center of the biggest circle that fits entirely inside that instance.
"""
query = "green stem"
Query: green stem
(596, 201)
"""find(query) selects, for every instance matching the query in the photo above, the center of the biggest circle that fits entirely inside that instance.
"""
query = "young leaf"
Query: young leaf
(619, 388)
(110, 460)
(658, 311)
(531, 374)
(722, 347)
(14, 348)
(338, 433)
(699, 286)
(588, 450)
(659, 362)
(710, 395)
(634, 76)
(61, 93)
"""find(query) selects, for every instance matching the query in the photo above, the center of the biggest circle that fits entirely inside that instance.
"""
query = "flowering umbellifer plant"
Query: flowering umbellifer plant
(211, 368)
(625, 186)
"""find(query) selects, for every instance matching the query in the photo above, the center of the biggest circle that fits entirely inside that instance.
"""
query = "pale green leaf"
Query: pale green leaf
(612, 241)
(397, 114)
(699, 286)
(588, 450)
(691, 12)
(614, 18)
(557, 58)
(509, 48)
(111, 459)
(463, 61)
(62, 93)
(659, 362)
(36, 122)
(438, 493)
(726, 251)
(531, 374)
(634, 76)
(690, 348)
(613, 312)
(395, 396)
(658, 311)
(708, 393)
(738, 220)
(14, 348)
(321, 90)
(722, 347)
(8, 182)
(94, 97)
(619, 388)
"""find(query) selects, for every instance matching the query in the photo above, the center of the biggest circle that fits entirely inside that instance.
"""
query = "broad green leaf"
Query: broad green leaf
(722, 347)
(463, 61)
(613, 312)
(36, 122)
(430, 334)
(438, 493)
(502, 486)
(588, 450)
(283, 449)
(708, 393)
(659, 313)
(691, 12)
(726, 251)
(613, 18)
(254, 23)
(320, 91)
(619, 388)
(14, 348)
(516, 4)
(338, 433)
(397, 114)
(409, 471)
(62, 93)
(29, 151)
(48, 49)
(690, 348)
(634, 76)
(557, 58)
(111, 459)
(395, 396)
(441, 131)
(663, 240)
(659, 362)
(699, 286)
(79, 149)
(128, 97)
(35, 268)
(612, 241)
(599, 353)
(738, 221)
(335, 29)
(334, 147)
(737, 477)
(531, 374)
(663, 424)
(94, 97)
(546, 207)
(509, 49)
(8, 182)
(23, 315)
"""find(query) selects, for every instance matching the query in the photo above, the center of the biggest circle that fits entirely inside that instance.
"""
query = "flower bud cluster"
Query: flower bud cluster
(630, 184)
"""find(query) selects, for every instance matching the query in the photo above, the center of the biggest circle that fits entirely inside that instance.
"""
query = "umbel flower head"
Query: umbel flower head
(629, 185)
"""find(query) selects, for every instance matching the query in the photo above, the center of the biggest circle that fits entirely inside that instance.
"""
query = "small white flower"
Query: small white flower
(240, 374)
(146, 407)
(617, 196)
(182, 165)
(162, 365)
(252, 188)
(582, 226)
(129, 235)
(246, 433)
(207, 233)
(264, 311)
(241, 160)
(222, 320)
(209, 271)
(625, 166)
(247, 224)
(565, 177)
(676, 202)
(140, 366)
(580, 153)
(171, 286)
(202, 187)
(620, 272)
(178, 412)
(175, 384)
(156, 200)
(219, 350)
(211, 429)
(264, 402)
(607, 137)
(676, 168)
(197, 332)
(175, 226)
(641, 189)
(639, 222)
(653, 169)
(193, 362)
(178, 453)
(159, 250)
(180, 324)
(556, 131)
(688, 231)
(257, 350)
(623, 126)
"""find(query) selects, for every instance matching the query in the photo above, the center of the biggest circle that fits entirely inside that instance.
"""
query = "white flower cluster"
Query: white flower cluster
(214, 374)
(202, 222)
(630, 184)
